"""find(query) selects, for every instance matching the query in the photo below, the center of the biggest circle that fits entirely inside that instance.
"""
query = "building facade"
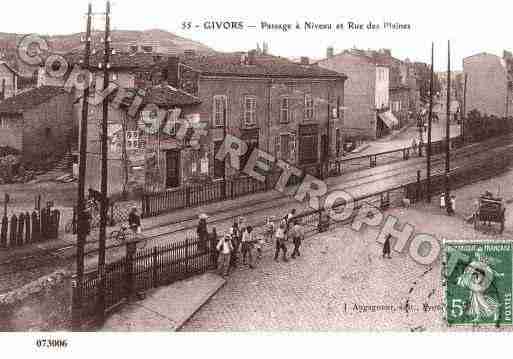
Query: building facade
(8, 81)
(38, 123)
(488, 84)
(286, 109)
(366, 92)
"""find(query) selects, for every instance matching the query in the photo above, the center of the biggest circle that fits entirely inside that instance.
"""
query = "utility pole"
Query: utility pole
(104, 159)
(430, 119)
(447, 125)
(81, 217)
(464, 112)
(326, 159)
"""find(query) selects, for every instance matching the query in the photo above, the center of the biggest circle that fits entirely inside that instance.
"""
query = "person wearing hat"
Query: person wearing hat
(225, 248)
(269, 229)
(202, 232)
(235, 238)
(281, 238)
(247, 246)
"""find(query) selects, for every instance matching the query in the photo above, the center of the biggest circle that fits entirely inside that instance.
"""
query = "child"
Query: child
(259, 244)
(269, 229)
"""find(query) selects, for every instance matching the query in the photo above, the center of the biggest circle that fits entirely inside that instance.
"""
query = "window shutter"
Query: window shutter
(292, 147)
(277, 149)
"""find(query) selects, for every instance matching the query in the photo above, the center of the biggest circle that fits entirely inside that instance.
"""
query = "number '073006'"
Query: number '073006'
(51, 343)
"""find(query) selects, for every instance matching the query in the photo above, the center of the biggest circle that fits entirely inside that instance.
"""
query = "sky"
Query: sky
(472, 27)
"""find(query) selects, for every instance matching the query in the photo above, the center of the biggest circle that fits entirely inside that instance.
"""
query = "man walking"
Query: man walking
(386, 247)
(202, 232)
(288, 218)
(235, 240)
(297, 235)
(281, 238)
(247, 246)
(225, 248)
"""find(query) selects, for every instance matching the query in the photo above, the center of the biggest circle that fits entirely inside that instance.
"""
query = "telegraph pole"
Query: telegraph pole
(104, 159)
(464, 112)
(81, 218)
(430, 118)
(447, 124)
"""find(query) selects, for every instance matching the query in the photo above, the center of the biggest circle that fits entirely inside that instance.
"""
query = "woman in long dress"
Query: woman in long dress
(477, 278)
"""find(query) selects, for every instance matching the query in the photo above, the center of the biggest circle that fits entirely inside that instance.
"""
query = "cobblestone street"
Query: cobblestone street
(335, 283)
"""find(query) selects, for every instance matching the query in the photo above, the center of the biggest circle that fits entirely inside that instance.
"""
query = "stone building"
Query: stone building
(8, 81)
(366, 93)
(38, 123)
(141, 159)
(488, 84)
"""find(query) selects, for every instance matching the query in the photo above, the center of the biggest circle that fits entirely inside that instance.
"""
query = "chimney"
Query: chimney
(387, 52)
(251, 57)
(265, 48)
(305, 60)
(171, 72)
(330, 52)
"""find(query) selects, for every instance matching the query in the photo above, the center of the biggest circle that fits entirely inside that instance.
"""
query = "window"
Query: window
(204, 164)
(249, 111)
(132, 140)
(309, 107)
(277, 149)
(285, 113)
(220, 110)
(4, 123)
(287, 147)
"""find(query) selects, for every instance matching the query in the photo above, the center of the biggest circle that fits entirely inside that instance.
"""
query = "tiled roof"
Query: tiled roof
(119, 60)
(29, 99)
(164, 96)
(9, 67)
(230, 64)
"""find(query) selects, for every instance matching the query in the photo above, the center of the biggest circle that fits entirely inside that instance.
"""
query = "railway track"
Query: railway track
(402, 172)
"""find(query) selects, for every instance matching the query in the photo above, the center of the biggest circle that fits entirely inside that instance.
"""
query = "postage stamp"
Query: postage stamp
(478, 282)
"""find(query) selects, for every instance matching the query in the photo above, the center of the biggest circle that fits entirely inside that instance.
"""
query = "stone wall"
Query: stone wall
(42, 305)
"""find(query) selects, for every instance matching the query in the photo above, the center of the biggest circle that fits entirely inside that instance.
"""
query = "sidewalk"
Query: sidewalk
(166, 308)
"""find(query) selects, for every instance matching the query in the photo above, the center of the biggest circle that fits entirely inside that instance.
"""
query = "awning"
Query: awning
(388, 119)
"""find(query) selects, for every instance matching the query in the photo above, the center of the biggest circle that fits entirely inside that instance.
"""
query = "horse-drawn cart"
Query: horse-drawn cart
(490, 210)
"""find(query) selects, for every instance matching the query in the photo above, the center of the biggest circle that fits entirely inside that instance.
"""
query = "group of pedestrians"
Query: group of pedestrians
(240, 242)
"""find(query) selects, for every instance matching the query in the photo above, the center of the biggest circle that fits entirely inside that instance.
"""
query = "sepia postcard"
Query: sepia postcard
(258, 167)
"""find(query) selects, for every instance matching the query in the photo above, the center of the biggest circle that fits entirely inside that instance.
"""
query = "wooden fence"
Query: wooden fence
(25, 228)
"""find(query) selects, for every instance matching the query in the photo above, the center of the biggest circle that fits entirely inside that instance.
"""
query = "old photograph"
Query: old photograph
(194, 167)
